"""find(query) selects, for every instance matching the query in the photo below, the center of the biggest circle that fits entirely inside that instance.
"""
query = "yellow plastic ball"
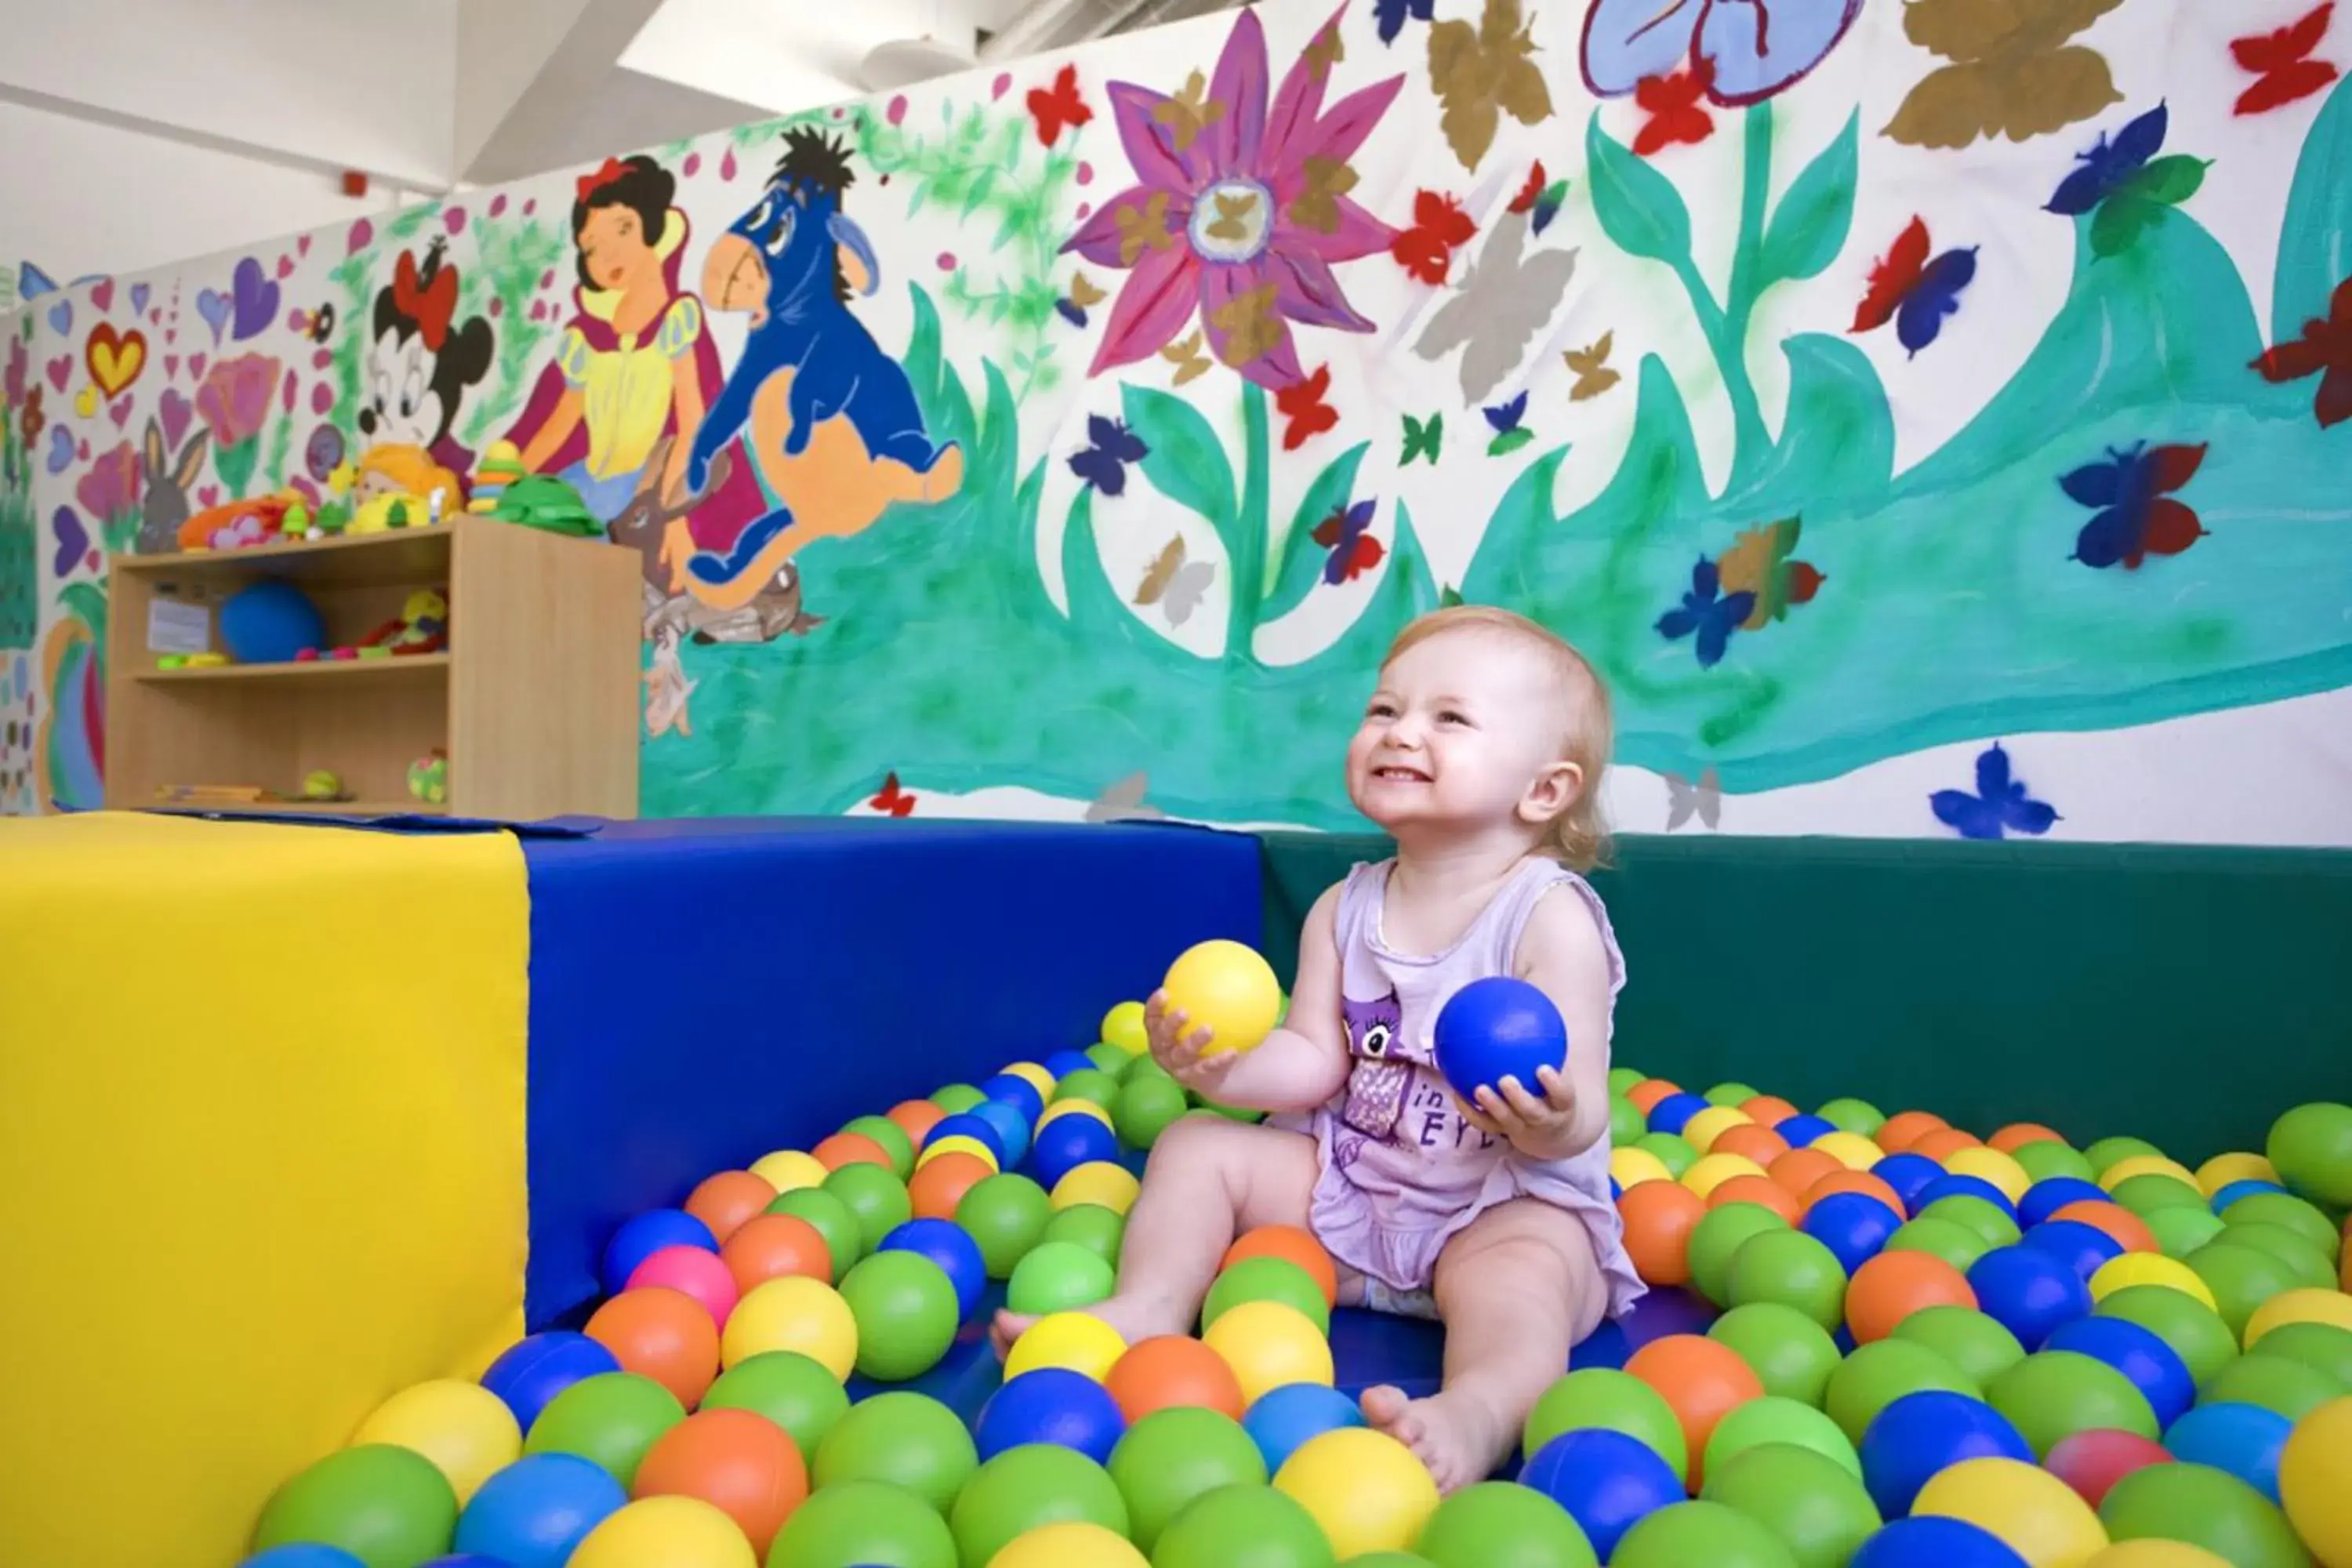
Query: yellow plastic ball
(465, 1429)
(789, 1168)
(1103, 1182)
(673, 1531)
(1038, 1078)
(2304, 1305)
(2149, 1269)
(1363, 1486)
(1709, 1172)
(1123, 1027)
(2123, 1171)
(1704, 1128)
(2041, 1517)
(1990, 1164)
(1061, 1108)
(1268, 1345)
(1227, 989)
(1071, 1544)
(1634, 1166)
(1077, 1340)
(2315, 1482)
(1851, 1149)
(2155, 1554)
(956, 1143)
(792, 1312)
(2222, 1169)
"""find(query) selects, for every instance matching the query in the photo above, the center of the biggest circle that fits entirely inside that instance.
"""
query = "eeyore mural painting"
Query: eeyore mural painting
(827, 419)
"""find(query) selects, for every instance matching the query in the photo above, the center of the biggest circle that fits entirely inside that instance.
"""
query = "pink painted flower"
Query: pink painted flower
(110, 489)
(897, 111)
(362, 235)
(235, 398)
(1239, 211)
(13, 382)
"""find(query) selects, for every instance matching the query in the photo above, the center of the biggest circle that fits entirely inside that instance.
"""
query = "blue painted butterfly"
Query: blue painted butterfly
(2000, 806)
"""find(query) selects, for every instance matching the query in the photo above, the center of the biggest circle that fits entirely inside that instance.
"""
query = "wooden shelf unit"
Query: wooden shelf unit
(535, 699)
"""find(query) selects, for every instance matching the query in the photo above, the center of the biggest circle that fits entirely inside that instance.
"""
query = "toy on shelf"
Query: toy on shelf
(240, 524)
(323, 783)
(500, 466)
(400, 487)
(190, 661)
(320, 787)
(422, 627)
(428, 777)
(269, 621)
(505, 490)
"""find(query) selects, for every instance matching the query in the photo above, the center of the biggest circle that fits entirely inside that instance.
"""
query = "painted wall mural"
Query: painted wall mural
(1932, 420)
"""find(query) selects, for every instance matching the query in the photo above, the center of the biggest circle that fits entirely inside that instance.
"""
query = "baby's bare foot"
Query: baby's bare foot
(1134, 1316)
(1458, 1435)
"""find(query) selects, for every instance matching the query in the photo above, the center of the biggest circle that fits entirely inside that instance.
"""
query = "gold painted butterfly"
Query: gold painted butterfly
(2013, 71)
(1484, 73)
(1590, 365)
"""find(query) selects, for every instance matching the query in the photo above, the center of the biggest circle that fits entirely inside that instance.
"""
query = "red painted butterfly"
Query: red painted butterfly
(1058, 107)
(1440, 227)
(893, 801)
(2282, 63)
(1354, 551)
(1677, 108)
(1302, 406)
(2325, 349)
(1540, 199)
(2137, 517)
(1915, 292)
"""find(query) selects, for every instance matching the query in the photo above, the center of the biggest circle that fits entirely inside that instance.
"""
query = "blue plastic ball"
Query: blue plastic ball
(1011, 1128)
(1283, 1418)
(532, 1371)
(302, 1554)
(2244, 1439)
(1062, 1064)
(1608, 1481)
(2154, 1367)
(2083, 1246)
(950, 1247)
(1854, 1226)
(1017, 1092)
(1673, 1113)
(1802, 1129)
(1907, 1174)
(268, 621)
(967, 1125)
(644, 1235)
(1499, 1027)
(2028, 1291)
(2047, 1196)
(2231, 1192)
(1069, 1141)
(1935, 1542)
(1920, 1434)
(532, 1513)
(1051, 1405)
(1950, 1185)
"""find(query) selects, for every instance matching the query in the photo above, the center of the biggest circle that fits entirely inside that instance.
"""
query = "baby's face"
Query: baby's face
(1456, 734)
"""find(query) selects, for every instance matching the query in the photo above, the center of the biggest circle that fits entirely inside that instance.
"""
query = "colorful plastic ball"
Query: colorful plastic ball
(1283, 1419)
(1811, 1502)
(1882, 1371)
(1993, 1167)
(1069, 1141)
(2044, 1161)
(2308, 1269)
(1779, 1422)
(2323, 1347)
(2245, 1440)
(2275, 1383)
(1673, 1113)
(467, 1431)
(302, 1554)
(1921, 1433)
(2177, 1231)
(1716, 1240)
(2035, 1513)
(938, 1186)
(770, 1246)
(2046, 1197)
(1364, 1488)
(1226, 988)
(642, 1235)
(797, 1394)
(1061, 1064)
(1978, 1345)
(906, 1438)
(1123, 1027)
(1173, 1371)
(535, 1511)
(2241, 1277)
(1985, 1211)
(2057, 1394)
(1701, 1380)
(844, 1237)
(788, 1170)
(1242, 1523)
(1077, 1340)
(2203, 1506)
(2029, 1291)
(2094, 1460)
(663, 1335)
(742, 1464)
(1933, 1543)
(2194, 1330)
(1051, 1405)
(793, 1313)
(1501, 1027)
(2131, 1231)
(1024, 1487)
(2150, 1269)
(889, 1137)
(1895, 1284)
(950, 1247)
(725, 1200)
(379, 1502)
(1851, 1150)
(1006, 1214)
(1496, 1524)
(609, 1420)
(1016, 1093)
(2085, 1248)
(2154, 1555)
(2287, 1210)
(1070, 1544)
(2148, 1192)
(1791, 1354)
(1269, 1345)
(1098, 1229)
(1606, 1480)
(1856, 1116)
(1855, 1226)
(849, 1149)
(1266, 1278)
(1669, 1150)
(915, 1118)
(907, 1314)
(2152, 1367)
(1174, 1455)
(1687, 1534)
(532, 1371)
(863, 1524)
(967, 1124)
(1087, 1086)
(1801, 1130)
(1147, 1107)
(1058, 1277)
(2315, 1481)
(1956, 1244)
(1947, 1186)
(1608, 1399)
(1293, 1243)
(702, 1276)
(1103, 1183)
(1794, 1270)
(674, 1531)
(2310, 1147)
(876, 1197)
(1657, 1218)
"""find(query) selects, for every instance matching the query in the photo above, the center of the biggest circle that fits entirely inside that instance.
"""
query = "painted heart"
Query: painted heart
(115, 359)
(323, 398)
(256, 300)
(155, 317)
(302, 245)
(61, 317)
(140, 294)
(173, 411)
(208, 494)
(86, 401)
(61, 449)
(60, 369)
(83, 453)
(321, 358)
(195, 367)
(120, 412)
(214, 307)
(170, 364)
(285, 267)
(101, 293)
(73, 539)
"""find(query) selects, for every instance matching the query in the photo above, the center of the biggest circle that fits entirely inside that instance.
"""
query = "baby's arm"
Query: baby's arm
(1562, 954)
(1300, 1064)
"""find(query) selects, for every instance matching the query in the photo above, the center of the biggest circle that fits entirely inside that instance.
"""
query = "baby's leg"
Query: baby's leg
(1209, 1179)
(1517, 1289)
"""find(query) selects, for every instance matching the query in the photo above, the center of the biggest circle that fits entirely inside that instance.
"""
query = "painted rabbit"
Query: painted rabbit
(666, 688)
(644, 525)
(165, 503)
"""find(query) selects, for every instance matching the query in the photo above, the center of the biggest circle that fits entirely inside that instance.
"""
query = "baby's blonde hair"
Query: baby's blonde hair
(1577, 837)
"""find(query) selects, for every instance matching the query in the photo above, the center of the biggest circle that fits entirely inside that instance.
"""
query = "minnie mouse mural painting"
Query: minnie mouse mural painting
(419, 363)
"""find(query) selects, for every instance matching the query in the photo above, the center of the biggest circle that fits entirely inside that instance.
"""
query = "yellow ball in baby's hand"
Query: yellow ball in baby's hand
(1226, 988)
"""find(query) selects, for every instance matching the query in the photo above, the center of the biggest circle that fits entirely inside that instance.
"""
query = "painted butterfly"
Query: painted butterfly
(1685, 800)
(1913, 292)
(1302, 407)
(1111, 446)
(1353, 551)
(1707, 615)
(1176, 585)
(1391, 15)
(1590, 364)
(2325, 349)
(1439, 228)
(1059, 106)
(2137, 516)
(1509, 433)
(892, 801)
(1190, 361)
(1083, 296)
(2125, 186)
(1539, 198)
(1423, 438)
(1677, 108)
(1999, 807)
(2281, 63)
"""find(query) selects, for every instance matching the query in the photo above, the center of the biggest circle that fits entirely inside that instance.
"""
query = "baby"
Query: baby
(1481, 755)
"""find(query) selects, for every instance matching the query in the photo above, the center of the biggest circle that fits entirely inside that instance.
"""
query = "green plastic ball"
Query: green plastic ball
(2181, 1231)
(1024, 1487)
(1058, 1277)
(795, 1391)
(1734, 1094)
(908, 1439)
(1626, 1123)
(892, 1139)
(1171, 1457)
(1810, 1501)
(1110, 1059)
(2194, 1330)
(1098, 1229)
(2042, 1160)
(1775, 1420)
(1145, 1106)
(2310, 1148)
(1853, 1116)
(2286, 1210)
(1091, 1085)
(955, 1098)
(2107, 1152)
(1792, 1268)
(2052, 1396)
(863, 1524)
(2153, 1190)
(1716, 1239)
(1882, 1371)
(389, 1506)
(1621, 1081)
(907, 1314)
(2203, 1506)
(1388, 1559)
(1006, 1214)
(1229, 1112)
(609, 1420)
(1953, 1242)
(833, 1219)
(1242, 1526)
(1501, 1524)
(2292, 1388)
(1674, 1152)
(1607, 1398)
(2309, 1268)
(1791, 1354)
(1972, 1341)
(877, 1198)
(2323, 1347)
(1982, 1215)
(2241, 1277)
(1689, 1534)
(1266, 1278)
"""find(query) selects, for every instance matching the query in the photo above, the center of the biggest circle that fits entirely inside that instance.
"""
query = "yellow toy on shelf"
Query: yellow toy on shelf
(402, 487)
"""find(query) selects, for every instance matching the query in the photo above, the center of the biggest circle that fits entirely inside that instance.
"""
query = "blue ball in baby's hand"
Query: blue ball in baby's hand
(1495, 1028)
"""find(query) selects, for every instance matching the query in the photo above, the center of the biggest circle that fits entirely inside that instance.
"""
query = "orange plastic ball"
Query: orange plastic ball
(742, 1464)
(1944, 1142)
(850, 1148)
(770, 1246)
(1172, 1370)
(1853, 1182)
(1903, 1129)
(1292, 1244)
(1702, 1379)
(1892, 1286)
(1760, 1144)
(2018, 1134)
(724, 1201)
(1658, 1219)
(1768, 1109)
(1763, 1191)
(663, 1335)
(1799, 1169)
(2129, 1229)
(1646, 1094)
(915, 1118)
(938, 1186)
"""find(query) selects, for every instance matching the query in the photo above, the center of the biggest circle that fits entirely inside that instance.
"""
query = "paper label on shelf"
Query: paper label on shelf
(176, 627)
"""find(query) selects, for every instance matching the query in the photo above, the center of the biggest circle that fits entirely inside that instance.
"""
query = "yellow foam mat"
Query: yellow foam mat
(261, 1160)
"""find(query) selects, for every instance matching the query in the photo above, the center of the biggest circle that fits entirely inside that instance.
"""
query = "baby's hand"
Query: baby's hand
(1538, 1127)
(1181, 1053)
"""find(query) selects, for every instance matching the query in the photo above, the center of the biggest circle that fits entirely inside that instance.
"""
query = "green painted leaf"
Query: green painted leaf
(1639, 208)
(1302, 558)
(2171, 180)
(1809, 226)
(2315, 240)
(1186, 462)
(2121, 219)
(1508, 441)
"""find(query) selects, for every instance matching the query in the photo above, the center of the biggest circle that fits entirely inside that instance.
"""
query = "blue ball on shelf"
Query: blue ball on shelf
(269, 621)
(1499, 1027)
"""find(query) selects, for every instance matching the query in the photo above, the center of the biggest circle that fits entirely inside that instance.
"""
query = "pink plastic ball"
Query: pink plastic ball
(690, 1271)
(2094, 1460)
